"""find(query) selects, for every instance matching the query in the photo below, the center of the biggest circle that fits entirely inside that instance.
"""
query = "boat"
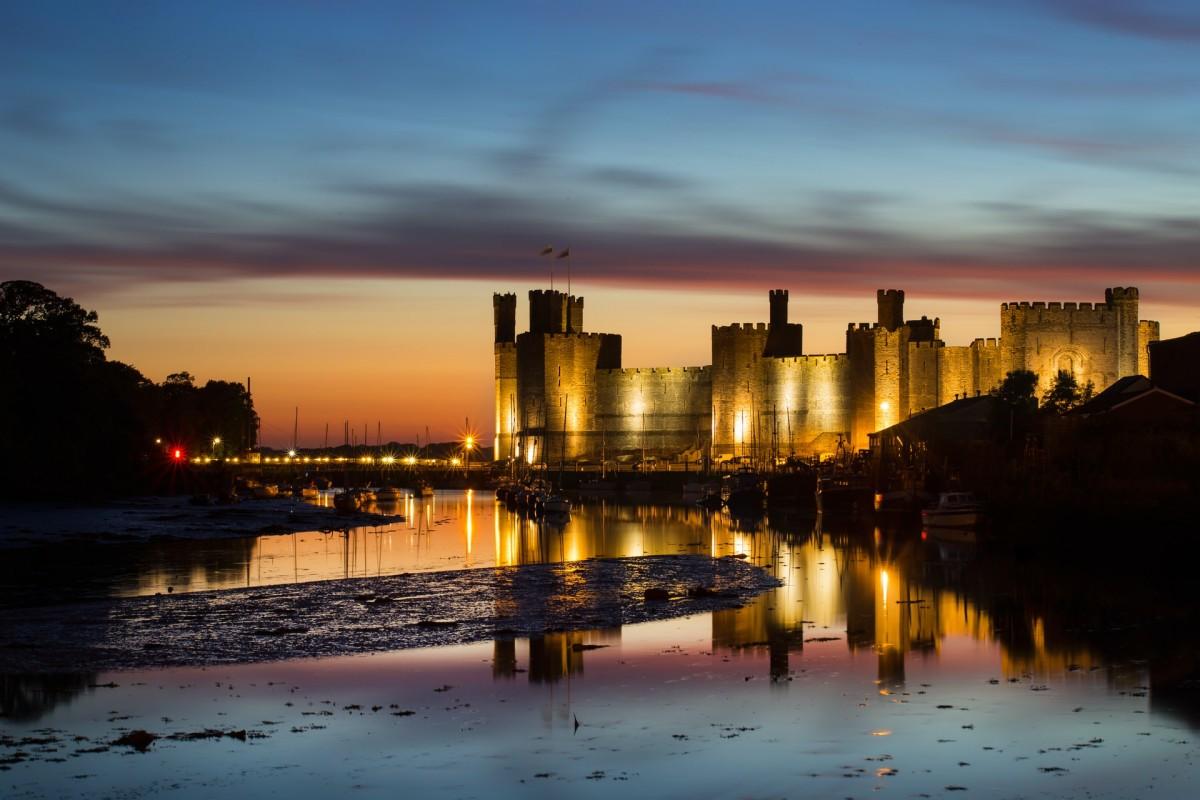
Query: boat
(426, 490)
(365, 496)
(712, 499)
(795, 488)
(695, 490)
(346, 502)
(265, 491)
(953, 510)
(389, 494)
(556, 505)
(745, 491)
(845, 494)
(310, 492)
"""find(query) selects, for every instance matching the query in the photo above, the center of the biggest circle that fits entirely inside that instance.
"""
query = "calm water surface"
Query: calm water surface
(876, 669)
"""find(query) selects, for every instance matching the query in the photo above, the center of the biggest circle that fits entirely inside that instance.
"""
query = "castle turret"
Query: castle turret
(784, 338)
(575, 314)
(891, 308)
(504, 314)
(779, 304)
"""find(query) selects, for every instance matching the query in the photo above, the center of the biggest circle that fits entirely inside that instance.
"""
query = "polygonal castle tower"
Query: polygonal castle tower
(562, 394)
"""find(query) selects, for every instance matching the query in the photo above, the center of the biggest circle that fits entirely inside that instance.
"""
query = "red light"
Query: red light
(924, 535)
(177, 454)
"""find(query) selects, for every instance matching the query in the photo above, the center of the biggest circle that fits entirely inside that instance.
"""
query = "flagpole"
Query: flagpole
(568, 270)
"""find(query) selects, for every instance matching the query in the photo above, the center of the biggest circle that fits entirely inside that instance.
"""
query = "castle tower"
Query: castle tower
(504, 316)
(1124, 303)
(779, 304)
(784, 339)
(574, 314)
(504, 313)
(891, 308)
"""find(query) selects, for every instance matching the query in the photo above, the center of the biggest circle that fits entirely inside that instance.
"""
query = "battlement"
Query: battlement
(740, 326)
(862, 326)
(988, 344)
(928, 345)
(695, 372)
(1120, 293)
(577, 335)
(817, 358)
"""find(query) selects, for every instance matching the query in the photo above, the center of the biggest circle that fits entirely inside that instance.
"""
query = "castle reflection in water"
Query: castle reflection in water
(870, 593)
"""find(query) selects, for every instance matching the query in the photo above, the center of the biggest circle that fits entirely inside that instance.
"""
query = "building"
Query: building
(1173, 365)
(562, 393)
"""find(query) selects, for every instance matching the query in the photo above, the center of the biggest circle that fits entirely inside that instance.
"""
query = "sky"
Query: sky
(324, 195)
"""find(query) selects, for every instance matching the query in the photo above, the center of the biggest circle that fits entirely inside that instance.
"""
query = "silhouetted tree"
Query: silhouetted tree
(74, 423)
(1064, 393)
(1019, 388)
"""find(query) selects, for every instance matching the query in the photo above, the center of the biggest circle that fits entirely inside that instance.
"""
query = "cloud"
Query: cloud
(1084, 88)
(1131, 18)
(36, 118)
(451, 232)
(637, 179)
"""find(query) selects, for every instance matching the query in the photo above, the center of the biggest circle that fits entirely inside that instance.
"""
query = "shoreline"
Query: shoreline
(28, 525)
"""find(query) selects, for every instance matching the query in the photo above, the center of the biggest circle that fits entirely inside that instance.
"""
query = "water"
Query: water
(887, 664)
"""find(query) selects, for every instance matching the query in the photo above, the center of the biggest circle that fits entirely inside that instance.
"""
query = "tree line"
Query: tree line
(74, 423)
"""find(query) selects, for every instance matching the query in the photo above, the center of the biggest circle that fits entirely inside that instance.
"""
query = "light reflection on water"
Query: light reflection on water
(873, 655)
(887, 593)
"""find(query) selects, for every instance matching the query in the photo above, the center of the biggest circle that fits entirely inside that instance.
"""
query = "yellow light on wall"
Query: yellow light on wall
(885, 406)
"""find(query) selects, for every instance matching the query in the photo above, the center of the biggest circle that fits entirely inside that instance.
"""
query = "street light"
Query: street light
(215, 442)
(468, 446)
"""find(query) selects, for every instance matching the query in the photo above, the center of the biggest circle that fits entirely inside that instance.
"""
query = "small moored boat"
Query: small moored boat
(953, 510)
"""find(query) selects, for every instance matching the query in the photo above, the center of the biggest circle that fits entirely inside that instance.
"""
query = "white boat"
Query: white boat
(953, 510)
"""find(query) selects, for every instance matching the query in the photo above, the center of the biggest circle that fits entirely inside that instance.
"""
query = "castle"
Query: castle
(561, 392)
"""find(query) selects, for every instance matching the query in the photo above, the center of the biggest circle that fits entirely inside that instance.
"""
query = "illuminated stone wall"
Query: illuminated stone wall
(761, 396)
(737, 386)
(805, 404)
(1148, 332)
(1099, 342)
(667, 411)
(556, 389)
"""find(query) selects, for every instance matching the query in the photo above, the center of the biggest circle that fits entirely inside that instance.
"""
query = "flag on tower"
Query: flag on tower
(564, 253)
(547, 250)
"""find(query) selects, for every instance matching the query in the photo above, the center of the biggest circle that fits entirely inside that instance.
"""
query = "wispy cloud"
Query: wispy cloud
(435, 231)
(1131, 17)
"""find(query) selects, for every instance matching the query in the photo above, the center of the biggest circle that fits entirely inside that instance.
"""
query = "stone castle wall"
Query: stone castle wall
(1148, 331)
(737, 386)
(561, 392)
(665, 411)
(1099, 342)
(805, 406)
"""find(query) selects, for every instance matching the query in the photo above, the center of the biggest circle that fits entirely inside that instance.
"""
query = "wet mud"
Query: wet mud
(369, 615)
